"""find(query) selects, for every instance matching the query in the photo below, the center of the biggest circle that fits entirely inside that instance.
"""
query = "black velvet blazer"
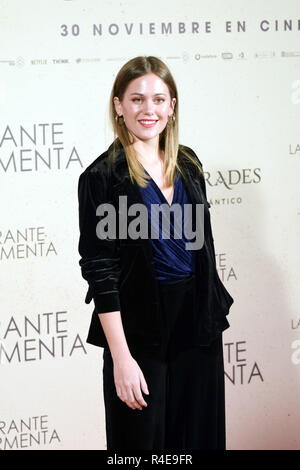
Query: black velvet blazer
(120, 273)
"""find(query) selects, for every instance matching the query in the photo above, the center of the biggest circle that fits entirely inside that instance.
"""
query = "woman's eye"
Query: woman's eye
(139, 99)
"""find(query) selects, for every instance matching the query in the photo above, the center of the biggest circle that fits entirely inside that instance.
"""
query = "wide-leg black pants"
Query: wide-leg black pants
(186, 401)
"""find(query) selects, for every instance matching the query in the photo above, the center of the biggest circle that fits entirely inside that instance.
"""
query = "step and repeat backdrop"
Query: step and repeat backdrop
(237, 68)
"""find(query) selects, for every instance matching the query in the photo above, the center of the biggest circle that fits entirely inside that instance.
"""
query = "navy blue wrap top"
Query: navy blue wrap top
(172, 260)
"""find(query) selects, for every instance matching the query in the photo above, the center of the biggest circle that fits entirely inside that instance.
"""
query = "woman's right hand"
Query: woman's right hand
(130, 382)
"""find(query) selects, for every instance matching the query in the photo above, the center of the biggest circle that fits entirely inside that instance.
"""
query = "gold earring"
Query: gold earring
(117, 118)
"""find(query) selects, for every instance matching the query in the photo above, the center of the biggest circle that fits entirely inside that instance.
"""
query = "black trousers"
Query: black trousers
(186, 401)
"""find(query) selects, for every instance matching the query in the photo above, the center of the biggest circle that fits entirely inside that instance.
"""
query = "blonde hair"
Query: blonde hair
(168, 139)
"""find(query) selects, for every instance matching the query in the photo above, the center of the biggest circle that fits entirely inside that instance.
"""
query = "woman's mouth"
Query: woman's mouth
(148, 122)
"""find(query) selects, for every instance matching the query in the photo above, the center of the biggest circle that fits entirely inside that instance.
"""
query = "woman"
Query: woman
(160, 308)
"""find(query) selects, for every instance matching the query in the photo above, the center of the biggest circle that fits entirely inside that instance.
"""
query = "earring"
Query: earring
(171, 118)
(117, 119)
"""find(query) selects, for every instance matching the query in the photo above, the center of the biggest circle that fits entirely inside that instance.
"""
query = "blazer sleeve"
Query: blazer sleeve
(99, 258)
(203, 186)
(202, 179)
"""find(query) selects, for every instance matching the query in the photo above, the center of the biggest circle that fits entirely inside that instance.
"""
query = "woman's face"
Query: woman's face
(146, 106)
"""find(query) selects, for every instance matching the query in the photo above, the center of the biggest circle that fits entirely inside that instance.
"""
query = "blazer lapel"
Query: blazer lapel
(122, 186)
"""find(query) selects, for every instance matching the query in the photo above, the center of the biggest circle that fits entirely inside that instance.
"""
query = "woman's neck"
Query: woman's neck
(148, 154)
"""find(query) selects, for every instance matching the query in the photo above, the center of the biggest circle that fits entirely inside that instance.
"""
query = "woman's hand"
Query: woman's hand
(130, 382)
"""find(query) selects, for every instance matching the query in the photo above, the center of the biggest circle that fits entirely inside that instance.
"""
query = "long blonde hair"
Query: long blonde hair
(168, 139)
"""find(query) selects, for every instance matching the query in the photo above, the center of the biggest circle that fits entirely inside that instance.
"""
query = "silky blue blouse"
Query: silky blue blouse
(172, 260)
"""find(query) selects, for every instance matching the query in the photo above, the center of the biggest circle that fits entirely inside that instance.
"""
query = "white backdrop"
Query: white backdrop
(237, 67)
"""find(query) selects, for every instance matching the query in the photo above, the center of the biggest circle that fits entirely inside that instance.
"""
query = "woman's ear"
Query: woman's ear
(118, 106)
(173, 103)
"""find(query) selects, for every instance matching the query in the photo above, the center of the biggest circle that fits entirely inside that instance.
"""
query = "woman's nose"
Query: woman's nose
(149, 106)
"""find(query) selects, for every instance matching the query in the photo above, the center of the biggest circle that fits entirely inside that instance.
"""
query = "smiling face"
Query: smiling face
(146, 106)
